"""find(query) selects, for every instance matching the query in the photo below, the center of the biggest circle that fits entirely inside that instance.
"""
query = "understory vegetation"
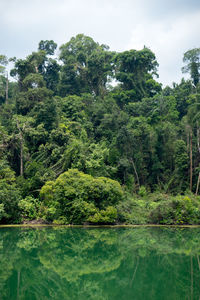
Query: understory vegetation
(88, 135)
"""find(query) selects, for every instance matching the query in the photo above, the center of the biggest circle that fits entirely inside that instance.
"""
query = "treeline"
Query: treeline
(102, 117)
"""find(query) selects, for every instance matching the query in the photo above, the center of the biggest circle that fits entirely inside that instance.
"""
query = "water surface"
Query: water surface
(99, 263)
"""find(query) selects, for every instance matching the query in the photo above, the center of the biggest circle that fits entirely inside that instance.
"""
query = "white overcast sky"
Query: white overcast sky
(168, 27)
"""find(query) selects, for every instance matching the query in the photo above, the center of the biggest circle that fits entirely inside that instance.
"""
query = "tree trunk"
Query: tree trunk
(7, 89)
(21, 150)
(198, 137)
(198, 146)
(191, 159)
(135, 171)
(21, 158)
(197, 189)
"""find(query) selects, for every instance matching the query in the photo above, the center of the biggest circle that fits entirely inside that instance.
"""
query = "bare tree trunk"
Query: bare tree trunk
(198, 137)
(188, 141)
(198, 146)
(197, 189)
(7, 88)
(191, 159)
(21, 158)
(135, 171)
(21, 150)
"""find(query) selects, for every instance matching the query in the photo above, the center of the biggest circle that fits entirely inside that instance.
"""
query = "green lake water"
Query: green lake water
(99, 263)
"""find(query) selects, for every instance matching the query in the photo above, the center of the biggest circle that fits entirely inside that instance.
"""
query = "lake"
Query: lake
(99, 263)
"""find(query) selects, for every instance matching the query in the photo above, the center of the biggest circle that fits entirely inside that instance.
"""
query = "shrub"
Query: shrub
(79, 197)
(107, 216)
(142, 191)
(133, 210)
(29, 207)
(177, 210)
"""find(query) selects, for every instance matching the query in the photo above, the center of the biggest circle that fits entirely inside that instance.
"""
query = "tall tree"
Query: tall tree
(86, 66)
(135, 70)
(3, 77)
(48, 46)
(192, 60)
(39, 63)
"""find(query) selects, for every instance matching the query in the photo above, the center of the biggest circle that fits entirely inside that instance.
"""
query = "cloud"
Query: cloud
(168, 40)
(169, 28)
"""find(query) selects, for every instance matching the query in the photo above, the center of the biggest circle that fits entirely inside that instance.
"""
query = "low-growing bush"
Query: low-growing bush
(29, 208)
(177, 210)
(133, 210)
(158, 208)
(77, 198)
(107, 216)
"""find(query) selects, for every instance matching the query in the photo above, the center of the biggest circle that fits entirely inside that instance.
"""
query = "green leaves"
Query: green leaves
(134, 69)
(192, 60)
(80, 197)
(87, 66)
(3, 63)
(49, 46)
(61, 114)
(29, 208)
(9, 195)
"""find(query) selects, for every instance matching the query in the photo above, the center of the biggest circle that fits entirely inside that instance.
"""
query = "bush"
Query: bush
(177, 210)
(79, 198)
(142, 191)
(133, 210)
(159, 208)
(29, 207)
(107, 216)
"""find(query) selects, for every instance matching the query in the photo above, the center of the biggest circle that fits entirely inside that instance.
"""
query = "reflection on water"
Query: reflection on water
(100, 263)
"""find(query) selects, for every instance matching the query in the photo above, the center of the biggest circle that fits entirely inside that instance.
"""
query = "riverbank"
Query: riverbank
(98, 226)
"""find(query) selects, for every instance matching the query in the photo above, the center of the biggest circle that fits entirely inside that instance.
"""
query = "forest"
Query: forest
(89, 136)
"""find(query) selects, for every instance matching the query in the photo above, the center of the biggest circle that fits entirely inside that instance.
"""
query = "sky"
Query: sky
(168, 27)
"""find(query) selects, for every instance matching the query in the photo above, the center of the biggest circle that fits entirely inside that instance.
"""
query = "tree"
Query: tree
(31, 65)
(86, 66)
(38, 63)
(3, 79)
(181, 92)
(50, 69)
(48, 46)
(181, 164)
(135, 70)
(3, 63)
(21, 124)
(193, 130)
(192, 60)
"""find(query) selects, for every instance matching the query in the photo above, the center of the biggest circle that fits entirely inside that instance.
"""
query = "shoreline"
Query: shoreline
(98, 226)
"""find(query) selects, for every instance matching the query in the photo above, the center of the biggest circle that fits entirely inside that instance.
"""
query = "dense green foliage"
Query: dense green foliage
(76, 197)
(104, 114)
(158, 208)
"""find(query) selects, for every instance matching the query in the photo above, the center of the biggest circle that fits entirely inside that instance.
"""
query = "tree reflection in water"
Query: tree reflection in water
(99, 263)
